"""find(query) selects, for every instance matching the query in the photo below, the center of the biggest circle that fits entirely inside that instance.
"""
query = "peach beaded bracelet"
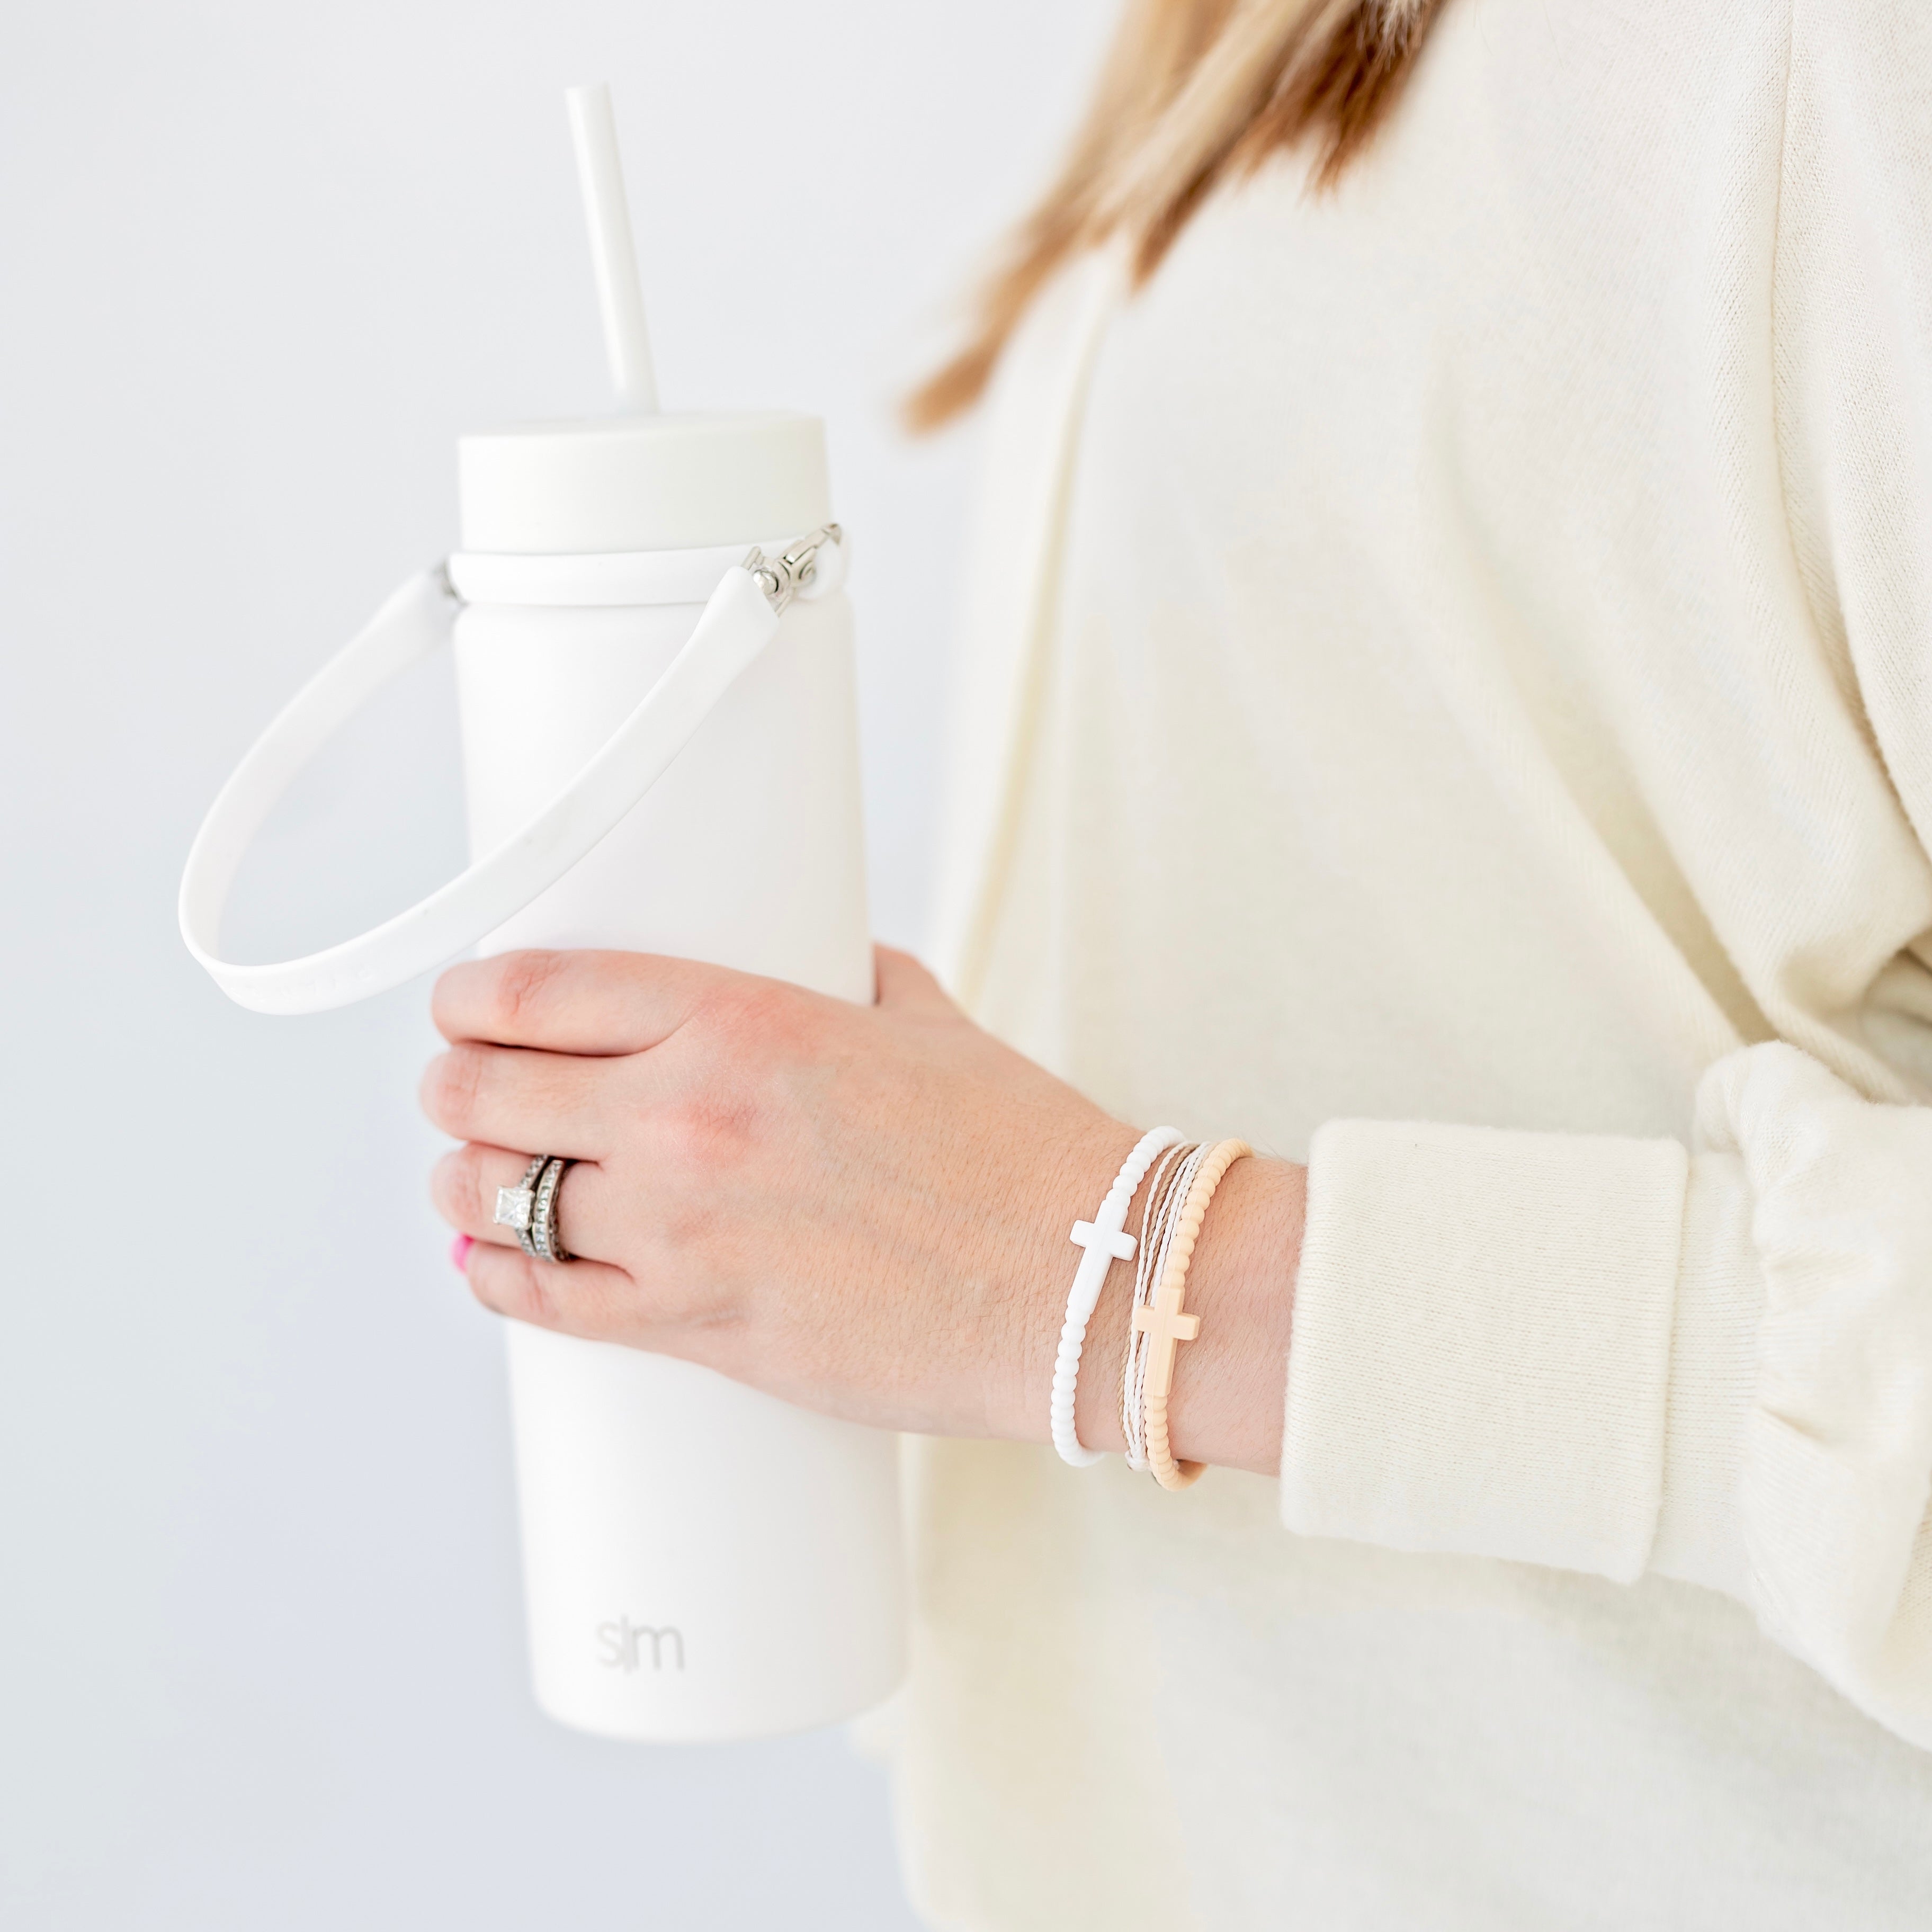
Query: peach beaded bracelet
(1166, 1324)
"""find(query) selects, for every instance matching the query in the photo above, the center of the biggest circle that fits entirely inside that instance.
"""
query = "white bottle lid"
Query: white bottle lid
(643, 482)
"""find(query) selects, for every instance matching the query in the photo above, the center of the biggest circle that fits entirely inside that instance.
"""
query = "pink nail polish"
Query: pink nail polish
(459, 1252)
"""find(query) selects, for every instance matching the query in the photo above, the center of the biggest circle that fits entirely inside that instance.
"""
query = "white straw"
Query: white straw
(613, 258)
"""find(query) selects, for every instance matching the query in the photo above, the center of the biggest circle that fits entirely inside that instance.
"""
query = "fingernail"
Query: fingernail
(459, 1252)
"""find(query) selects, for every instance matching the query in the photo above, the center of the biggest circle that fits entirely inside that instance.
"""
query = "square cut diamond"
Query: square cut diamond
(513, 1208)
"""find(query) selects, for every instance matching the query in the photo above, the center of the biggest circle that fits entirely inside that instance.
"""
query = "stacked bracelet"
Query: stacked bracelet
(1104, 1239)
(1163, 1323)
(1166, 1192)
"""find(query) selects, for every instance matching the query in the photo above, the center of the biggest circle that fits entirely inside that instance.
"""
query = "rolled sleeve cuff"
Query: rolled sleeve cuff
(1481, 1360)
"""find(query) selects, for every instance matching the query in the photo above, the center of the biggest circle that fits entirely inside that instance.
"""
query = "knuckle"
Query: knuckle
(523, 982)
(676, 1306)
(702, 1133)
(512, 1285)
(455, 1083)
(448, 1194)
(675, 1275)
(473, 1196)
(759, 1021)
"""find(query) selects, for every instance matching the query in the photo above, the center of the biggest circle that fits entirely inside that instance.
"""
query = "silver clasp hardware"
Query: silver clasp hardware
(781, 578)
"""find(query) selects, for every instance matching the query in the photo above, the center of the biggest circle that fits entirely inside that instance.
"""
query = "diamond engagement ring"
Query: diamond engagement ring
(516, 1206)
(530, 1208)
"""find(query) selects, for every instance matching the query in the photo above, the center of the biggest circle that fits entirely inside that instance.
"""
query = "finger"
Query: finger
(463, 1185)
(905, 984)
(586, 1298)
(575, 1002)
(507, 1096)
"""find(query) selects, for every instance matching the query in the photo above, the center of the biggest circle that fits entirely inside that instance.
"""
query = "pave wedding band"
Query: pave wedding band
(530, 1208)
(543, 1213)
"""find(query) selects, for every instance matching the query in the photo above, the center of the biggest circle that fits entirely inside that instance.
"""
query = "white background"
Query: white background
(260, 1646)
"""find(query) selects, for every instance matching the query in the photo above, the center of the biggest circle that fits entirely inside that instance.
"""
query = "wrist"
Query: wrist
(1229, 1383)
(1072, 1187)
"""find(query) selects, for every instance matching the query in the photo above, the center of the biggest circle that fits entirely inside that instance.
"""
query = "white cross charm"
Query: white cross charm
(1085, 1234)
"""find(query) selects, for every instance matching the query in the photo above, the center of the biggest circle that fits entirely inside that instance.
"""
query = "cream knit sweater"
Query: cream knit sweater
(1449, 698)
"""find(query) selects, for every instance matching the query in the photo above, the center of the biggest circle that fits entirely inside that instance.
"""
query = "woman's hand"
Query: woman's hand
(863, 1210)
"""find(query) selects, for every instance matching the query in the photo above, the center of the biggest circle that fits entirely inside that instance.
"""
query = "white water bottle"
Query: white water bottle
(701, 1560)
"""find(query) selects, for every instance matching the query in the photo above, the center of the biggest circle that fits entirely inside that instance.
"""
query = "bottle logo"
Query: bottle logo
(626, 1646)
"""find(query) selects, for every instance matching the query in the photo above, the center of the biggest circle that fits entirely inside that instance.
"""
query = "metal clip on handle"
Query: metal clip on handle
(782, 577)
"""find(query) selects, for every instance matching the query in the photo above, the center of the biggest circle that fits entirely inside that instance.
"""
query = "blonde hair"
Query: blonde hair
(1192, 92)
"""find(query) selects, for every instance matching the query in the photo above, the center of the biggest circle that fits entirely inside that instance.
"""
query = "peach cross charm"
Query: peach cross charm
(1166, 1325)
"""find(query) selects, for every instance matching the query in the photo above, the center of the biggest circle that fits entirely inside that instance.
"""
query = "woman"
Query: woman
(1448, 701)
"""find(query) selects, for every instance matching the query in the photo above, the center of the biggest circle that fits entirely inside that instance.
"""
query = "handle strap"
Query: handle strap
(740, 618)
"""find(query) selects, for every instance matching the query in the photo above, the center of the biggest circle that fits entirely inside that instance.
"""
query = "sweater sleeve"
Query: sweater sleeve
(1713, 1361)
(1612, 1355)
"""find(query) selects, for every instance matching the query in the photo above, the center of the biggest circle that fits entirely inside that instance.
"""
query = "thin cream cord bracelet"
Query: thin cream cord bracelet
(1166, 1190)
(1166, 1324)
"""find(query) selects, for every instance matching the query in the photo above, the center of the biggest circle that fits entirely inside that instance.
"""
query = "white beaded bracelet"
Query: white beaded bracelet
(1104, 1241)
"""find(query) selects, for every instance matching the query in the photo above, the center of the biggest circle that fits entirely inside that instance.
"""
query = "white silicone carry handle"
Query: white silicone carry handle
(737, 625)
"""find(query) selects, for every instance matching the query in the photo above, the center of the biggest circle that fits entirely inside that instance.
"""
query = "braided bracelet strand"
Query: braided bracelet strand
(1167, 1324)
(1166, 1192)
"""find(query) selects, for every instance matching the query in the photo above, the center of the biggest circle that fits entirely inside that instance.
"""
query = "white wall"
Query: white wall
(260, 1642)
